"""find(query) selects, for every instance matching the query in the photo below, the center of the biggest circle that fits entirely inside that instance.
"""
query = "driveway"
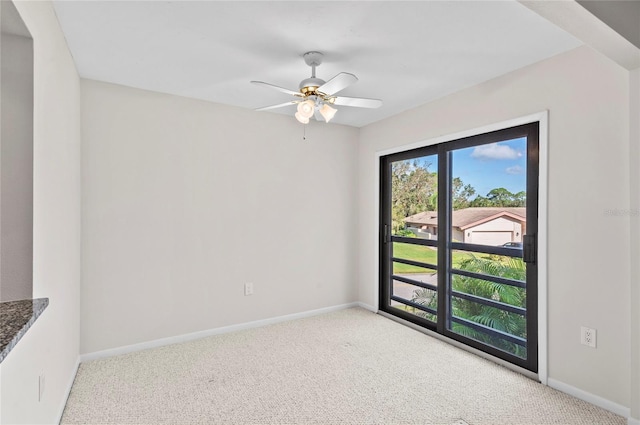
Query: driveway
(405, 290)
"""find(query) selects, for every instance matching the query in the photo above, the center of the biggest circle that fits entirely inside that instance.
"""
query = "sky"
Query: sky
(491, 166)
(487, 167)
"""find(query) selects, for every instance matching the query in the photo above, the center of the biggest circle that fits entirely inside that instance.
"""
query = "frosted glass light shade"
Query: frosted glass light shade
(301, 118)
(306, 108)
(327, 112)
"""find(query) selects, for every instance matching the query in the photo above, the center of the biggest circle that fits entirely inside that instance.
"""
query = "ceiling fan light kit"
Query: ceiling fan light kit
(318, 95)
(301, 118)
(306, 108)
(327, 112)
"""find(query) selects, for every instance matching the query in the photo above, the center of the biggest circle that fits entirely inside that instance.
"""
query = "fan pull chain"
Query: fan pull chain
(304, 132)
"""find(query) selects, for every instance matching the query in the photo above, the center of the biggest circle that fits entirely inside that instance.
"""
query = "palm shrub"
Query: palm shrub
(428, 298)
(512, 323)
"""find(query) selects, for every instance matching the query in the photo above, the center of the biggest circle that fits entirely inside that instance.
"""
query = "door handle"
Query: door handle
(530, 249)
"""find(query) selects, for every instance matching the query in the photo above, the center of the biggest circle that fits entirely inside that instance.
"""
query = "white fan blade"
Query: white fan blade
(282, 89)
(293, 102)
(337, 83)
(358, 102)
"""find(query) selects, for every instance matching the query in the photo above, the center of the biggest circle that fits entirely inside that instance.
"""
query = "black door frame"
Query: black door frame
(531, 131)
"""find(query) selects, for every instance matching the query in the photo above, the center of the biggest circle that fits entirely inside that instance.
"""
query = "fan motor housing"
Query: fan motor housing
(310, 85)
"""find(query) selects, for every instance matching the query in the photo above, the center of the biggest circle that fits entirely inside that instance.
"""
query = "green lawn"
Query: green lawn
(424, 254)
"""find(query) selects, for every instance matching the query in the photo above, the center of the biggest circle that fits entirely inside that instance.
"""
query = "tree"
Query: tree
(520, 198)
(413, 187)
(500, 197)
(480, 201)
(461, 194)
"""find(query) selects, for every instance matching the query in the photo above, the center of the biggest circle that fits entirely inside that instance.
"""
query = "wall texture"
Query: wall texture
(184, 201)
(587, 97)
(51, 347)
(16, 166)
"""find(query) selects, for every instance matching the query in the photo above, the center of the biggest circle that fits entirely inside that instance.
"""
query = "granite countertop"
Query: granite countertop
(16, 317)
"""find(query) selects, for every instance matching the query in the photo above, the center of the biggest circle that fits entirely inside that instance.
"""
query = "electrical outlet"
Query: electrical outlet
(248, 288)
(40, 387)
(588, 336)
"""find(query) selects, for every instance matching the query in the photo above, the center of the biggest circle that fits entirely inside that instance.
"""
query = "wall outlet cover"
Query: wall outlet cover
(588, 336)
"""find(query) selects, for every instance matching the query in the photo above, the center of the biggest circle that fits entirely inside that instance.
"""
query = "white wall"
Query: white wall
(16, 164)
(587, 96)
(51, 346)
(184, 201)
(634, 155)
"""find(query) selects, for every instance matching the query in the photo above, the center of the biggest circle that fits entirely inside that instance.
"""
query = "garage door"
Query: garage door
(491, 238)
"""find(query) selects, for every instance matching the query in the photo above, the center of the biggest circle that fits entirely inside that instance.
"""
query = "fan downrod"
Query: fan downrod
(308, 86)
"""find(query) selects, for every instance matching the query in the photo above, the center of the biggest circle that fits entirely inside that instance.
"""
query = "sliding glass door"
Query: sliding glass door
(458, 250)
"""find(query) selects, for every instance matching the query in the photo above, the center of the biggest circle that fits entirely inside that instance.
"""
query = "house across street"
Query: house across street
(478, 225)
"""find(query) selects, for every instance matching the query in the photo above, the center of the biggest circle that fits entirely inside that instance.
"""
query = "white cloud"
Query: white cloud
(516, 169)
(495, 151)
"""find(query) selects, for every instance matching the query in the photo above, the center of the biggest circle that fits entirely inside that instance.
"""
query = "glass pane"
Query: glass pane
(489, 316)
(494, 341)
(414, 200)
(423, 254)
(489, 208)
(490, 265)
(489, 194)
(416, 294)
(414, 194)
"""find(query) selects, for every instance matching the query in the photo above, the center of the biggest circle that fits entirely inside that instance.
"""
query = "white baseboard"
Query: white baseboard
(632, 421)
(609, 405)
(367, 307)
(68, 390)
(216, 331)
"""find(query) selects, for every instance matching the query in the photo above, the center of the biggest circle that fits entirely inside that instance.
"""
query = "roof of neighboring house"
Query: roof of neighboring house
(469, 217)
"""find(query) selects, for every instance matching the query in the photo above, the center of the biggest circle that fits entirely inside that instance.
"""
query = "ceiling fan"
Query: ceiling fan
(316, 96)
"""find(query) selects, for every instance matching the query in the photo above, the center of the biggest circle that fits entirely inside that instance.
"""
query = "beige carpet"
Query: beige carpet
(347, 367)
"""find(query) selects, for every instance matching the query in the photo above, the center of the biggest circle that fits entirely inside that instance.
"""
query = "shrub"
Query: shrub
(406, 233)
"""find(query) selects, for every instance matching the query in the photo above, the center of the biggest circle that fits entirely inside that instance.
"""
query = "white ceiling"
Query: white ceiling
(405, 53)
